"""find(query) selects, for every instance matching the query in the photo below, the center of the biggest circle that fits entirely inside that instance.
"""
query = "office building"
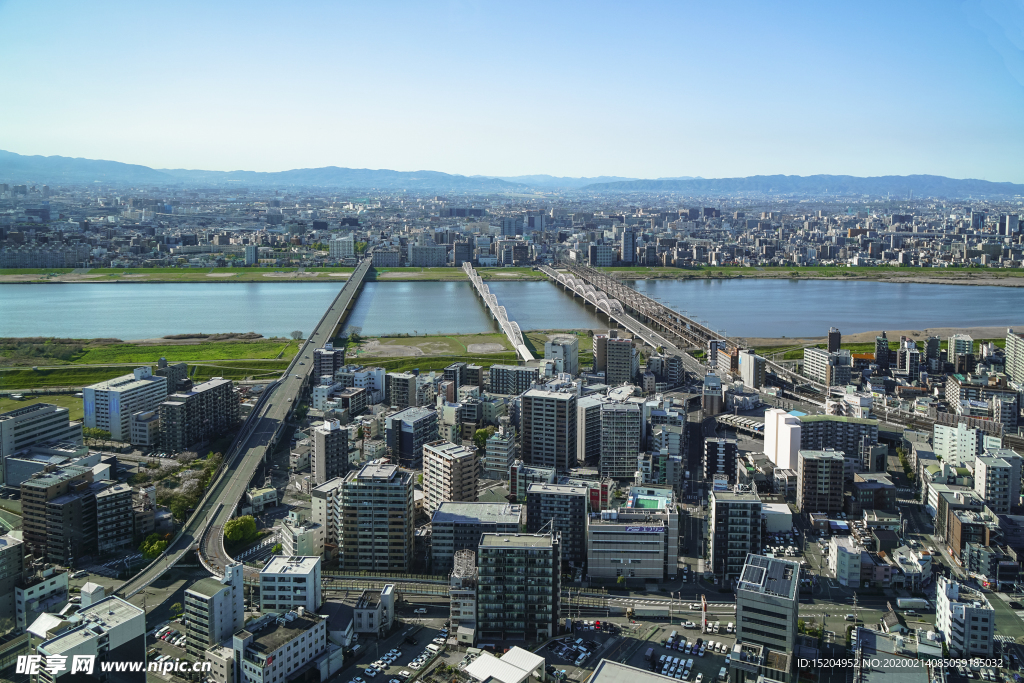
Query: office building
(375, 527)
(110, 630)
(733, 531)
(830, 369)
(564, 510)
(518, 587)
(36, 494)
(600, 255)
(109, 405)
(627, 250)
(511, 379)
(782, 438)
(36, 424)
(965, 618)
(549, 429)
(997, 479)
(204, 412)
(752, 368)
(407, 431)
(214, 609)
(500, 451)
(767, 603)
(835, 340)
(844, 560)
(621, 433)
(617, 357)
(712, 399)
(639, 540)
(290, 582)
(342, 247)
(375, 612)
(301, 537)
(565, 351)
(274, 648)
(457, 527)
(720, 458)
(819, 486)
(44, 590)
(330, 452)
(450, 473)
(588, 430)
(400, 389)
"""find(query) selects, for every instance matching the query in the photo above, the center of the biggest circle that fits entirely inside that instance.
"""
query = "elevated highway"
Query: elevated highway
(509, 327)
(204, 531)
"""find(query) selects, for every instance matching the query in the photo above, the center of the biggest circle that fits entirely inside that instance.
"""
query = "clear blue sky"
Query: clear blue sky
(712, 88)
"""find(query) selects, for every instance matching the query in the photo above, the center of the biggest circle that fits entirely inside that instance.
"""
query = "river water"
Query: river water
(748, 307)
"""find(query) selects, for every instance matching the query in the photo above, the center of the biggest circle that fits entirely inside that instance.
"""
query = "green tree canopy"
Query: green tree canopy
(240, 529)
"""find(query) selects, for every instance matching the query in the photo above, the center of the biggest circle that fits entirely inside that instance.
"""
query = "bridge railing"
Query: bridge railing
(509, 327)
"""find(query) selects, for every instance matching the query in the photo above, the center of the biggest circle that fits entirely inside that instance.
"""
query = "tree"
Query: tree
(480, 437)
(296, 334)
(621, 580)
(276, 550)
(360, 247)
(93, 433)
(153, 546)
(176, 610)
(359, 432)
(240, 529)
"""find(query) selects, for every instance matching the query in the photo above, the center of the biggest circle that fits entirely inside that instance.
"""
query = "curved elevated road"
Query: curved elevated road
(260, 431)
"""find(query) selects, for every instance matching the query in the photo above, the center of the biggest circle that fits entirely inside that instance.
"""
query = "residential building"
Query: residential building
(782, 438)
(109, 405)
(830, 369)
(12, 569)
(275, 648)
(712, 399)
(1014, 352)
(327, 361)
(549, 429)
(500, 451)
(300, 536)
(733, 532)
(252, 254)
(752, 368)
(375, 612)
(458, 526)
(462, 585)
(621, 432)
(965, 618)
(819, 485)
(214, 609)
(959, 345)
(768, 602)
(720, 458)
(407, 431)
(519, 587)
(565, 351)
(511, 379)
(997, 479)
(115, 518)
(205, 411)
(848, 434)
(374, 498)
(588, 430)
(564, 510)
(36, 494)
(959, 444)
(330, 452)
(844, 557)
(110, 630)
(342, 247)
(36, 424)
(288, 582)
(325, 512)
(45, 590)
(617, 357)
(400, 389)
(450, 473)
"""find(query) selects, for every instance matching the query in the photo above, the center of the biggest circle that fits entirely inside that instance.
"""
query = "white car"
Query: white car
(415, 666)
(370, 671)
(689, 624)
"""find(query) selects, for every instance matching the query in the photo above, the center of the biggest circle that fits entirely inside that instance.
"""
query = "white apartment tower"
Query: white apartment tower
(109, 405)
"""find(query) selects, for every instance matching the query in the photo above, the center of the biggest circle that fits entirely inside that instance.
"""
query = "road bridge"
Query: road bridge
(204, 530)
(509, 327)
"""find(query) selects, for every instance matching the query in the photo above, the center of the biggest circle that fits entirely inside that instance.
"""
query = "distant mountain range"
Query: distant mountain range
(17, 168)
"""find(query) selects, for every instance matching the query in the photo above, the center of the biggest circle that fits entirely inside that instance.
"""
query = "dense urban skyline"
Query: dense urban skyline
(656, 90)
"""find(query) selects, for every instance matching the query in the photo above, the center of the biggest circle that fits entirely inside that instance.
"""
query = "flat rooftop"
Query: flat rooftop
(376, 470)
(291, 565)
(482, 513)
(769, 576)
(560, 489)
(608, 671)
(518, 540)
(272, 638)
(96, 620)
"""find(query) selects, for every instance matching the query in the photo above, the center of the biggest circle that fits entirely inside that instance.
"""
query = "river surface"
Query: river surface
(749, 307)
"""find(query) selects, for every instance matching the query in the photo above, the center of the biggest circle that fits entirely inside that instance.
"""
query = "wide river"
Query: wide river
(748, 307)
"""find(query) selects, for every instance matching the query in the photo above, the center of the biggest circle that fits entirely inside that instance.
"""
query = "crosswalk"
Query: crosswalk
(123, 560)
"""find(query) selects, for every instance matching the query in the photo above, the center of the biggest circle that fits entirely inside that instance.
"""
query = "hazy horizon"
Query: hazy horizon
(652, 90)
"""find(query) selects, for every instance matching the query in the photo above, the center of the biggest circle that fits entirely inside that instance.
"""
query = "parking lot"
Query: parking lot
(396, 657)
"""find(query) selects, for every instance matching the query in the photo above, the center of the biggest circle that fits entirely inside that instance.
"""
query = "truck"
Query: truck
(912, 603)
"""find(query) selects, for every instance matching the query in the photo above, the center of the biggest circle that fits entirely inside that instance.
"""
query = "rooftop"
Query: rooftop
(93, 621)
(378, 471)
(609, 671)
(518, 540)
(483, 513)
(771, 576)
(276, 636)
(290, 565)
(207, 587)
(48, 479)
(21, 412)
(561, 489)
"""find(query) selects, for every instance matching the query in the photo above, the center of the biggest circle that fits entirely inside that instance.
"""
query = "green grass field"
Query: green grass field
(240, 369)
(450, 345)
(428, 363)
(72, 403)
(138, 353)
(70, 376)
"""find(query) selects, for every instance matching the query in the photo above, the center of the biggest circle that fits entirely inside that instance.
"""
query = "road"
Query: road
(258, 433)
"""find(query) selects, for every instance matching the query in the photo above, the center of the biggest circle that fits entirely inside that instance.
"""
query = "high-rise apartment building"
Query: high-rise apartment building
(830, 369)
(835, 339)
(838, 432)
(342, 247)
(511, 379)
(330, 452)
(376, 521)
(734, 531)
(627, 248)
(819, 486)
(407, 431)
(214, 610)
(997, 479)
(565, 509)
(37, 424)
(450, 473)
(549, 429)
(565, 351)
(115, 518)
(1014, 352)
(500, 451)
(782, 438)
(768, 602)
(462, 595)
(109, 405)
(621, 432)
(958, 345)
(588, 430)
(290, 582)
(252, 254)
(327, 361)
(519, 588)
(617, 357)
(720, 458)
(205, 411)
(37, 492)
(457, 527)
(400, 389)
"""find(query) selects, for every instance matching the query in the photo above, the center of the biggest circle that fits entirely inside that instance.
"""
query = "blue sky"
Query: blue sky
(648, 89)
